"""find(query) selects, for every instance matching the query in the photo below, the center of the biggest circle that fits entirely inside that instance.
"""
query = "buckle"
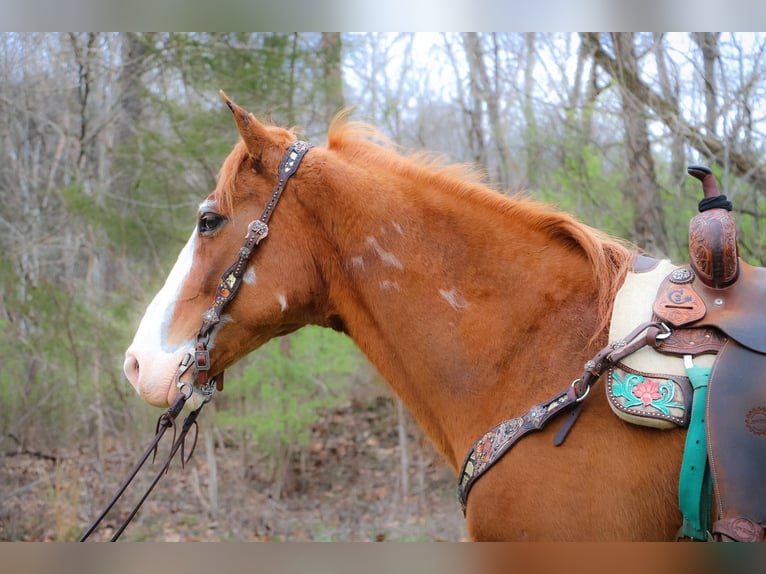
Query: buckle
(202, 359)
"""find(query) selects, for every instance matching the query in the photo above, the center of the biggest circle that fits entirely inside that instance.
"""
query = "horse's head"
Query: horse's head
(280, 289)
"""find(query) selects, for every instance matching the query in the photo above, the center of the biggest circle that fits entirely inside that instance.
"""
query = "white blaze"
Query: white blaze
(151, 361)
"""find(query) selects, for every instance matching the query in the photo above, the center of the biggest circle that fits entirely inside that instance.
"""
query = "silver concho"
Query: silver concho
(681, 275)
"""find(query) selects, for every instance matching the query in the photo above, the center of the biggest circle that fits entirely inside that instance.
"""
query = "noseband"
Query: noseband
(200, 359)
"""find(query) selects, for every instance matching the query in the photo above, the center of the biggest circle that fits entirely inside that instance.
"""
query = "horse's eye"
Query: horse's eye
(210, 222)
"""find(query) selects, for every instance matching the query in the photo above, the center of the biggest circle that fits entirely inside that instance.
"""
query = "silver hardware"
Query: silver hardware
(585, 394)
(182, 385)
(667, 331)
(681, 275)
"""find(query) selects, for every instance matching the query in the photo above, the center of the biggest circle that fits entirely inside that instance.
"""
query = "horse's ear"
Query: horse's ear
(254, 134)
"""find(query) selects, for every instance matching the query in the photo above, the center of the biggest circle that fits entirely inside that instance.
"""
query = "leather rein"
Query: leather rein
(199, 361)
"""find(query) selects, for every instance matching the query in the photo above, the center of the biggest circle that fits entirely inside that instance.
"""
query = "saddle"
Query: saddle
(716, 310)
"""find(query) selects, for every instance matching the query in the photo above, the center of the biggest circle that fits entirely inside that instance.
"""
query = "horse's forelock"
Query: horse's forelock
(227, 176)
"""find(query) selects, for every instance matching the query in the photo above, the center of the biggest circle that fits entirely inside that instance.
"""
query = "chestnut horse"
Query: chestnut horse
(472, 305)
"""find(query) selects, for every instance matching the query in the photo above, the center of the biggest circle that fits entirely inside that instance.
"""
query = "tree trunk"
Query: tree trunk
(133, 52)
(332, 82)
(531, 135)
(642, 187)
(487, 95)
(284, 477)
(404, 455)
(670, 89)
(475, 104)
(212, 466)
(708, 43)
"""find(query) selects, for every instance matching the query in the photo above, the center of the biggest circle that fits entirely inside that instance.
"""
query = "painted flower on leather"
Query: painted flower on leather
(647, 391)
(484, 447)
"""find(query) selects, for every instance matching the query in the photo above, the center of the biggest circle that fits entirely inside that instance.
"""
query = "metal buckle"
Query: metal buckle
(186, 389)
(208, 390)
(576, 386)
(202, 359)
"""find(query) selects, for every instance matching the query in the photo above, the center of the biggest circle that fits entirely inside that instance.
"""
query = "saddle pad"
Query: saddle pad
(647, 388)
(736, 419)
(633, 306)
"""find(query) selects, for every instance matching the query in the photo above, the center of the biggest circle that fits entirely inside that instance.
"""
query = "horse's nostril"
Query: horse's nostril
(131, 369)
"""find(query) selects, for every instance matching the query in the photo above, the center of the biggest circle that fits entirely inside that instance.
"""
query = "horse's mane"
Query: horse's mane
(610, 258)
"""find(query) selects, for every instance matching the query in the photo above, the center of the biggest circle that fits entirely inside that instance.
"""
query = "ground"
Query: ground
(344, 485)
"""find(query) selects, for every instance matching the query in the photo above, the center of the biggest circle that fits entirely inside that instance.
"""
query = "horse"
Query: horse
(472, 305)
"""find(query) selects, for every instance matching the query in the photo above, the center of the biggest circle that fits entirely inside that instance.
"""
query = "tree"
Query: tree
(733, 150)
(331, 51)
(487, 96)
(642, 187)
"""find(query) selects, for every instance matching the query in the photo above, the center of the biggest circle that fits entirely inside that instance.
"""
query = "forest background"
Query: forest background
(109, 141)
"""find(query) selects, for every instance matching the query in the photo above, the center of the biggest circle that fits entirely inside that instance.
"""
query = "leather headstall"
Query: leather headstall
(232, 279)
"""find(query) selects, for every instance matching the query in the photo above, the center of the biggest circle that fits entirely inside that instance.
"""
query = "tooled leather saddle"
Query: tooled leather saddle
(717, 305)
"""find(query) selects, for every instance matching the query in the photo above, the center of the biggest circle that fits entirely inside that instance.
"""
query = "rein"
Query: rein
(200, 359)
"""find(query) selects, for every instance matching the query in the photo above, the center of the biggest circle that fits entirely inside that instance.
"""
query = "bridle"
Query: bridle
(232, 279)
(199, 360)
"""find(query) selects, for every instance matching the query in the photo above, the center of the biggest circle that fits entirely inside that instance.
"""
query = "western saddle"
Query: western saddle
(717, 304)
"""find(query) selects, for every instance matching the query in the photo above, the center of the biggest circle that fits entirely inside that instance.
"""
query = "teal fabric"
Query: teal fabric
(695, 487)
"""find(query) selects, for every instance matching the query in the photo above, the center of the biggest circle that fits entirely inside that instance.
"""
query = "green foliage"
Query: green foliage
(59, 354)
(586, 184)
(287, 384)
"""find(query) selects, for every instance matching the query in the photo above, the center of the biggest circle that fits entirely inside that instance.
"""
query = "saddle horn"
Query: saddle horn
(713, 248)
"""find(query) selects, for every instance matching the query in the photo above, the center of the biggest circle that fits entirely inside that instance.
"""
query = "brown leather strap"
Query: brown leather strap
(499, 439)
(493, 444)
(736, 428)
(653, 333)
(738, 529)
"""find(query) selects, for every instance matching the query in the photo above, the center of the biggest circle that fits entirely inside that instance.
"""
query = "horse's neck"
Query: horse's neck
(460, 308)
